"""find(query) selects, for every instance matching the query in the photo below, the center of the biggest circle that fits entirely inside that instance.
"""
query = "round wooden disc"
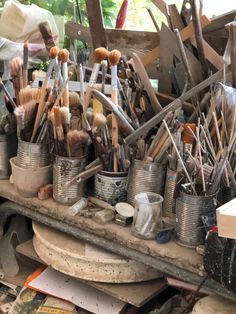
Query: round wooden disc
(79, 259)
(214, 305)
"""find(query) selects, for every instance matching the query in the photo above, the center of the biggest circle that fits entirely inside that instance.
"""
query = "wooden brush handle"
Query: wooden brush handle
(114, 131)
(146, 82)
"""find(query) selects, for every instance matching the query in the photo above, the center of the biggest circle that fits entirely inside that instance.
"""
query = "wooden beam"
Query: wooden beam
(95, 18)
(116, 37)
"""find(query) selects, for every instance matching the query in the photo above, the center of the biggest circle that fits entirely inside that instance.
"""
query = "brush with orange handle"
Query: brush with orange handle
(99, 55)
(114, 58)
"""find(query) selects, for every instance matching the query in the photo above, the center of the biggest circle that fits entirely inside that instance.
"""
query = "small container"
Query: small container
(111, 186)
(78, 206)
(28, 181)
(7, 150)
(64, 169)
(32, 155)
(147, 218)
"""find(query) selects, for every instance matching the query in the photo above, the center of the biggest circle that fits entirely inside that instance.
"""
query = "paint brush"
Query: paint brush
(99, 55)
(53, 55)
(15, 66)
(7, 94)
(25, 64)
(64, 57)
(59, 130)
(99, 122)
(109, 105)
(75, 142)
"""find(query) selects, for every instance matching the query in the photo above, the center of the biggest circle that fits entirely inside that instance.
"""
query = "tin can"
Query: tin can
(144, 177)
(169, 194)
(7, 150)
(32, 155)
(189, 229)
(64, 169)
(111, 186)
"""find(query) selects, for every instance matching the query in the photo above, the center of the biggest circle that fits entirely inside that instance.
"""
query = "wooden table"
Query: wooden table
(172, 259)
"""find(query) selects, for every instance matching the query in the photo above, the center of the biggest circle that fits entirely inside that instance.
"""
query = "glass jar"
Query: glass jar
(147, 216)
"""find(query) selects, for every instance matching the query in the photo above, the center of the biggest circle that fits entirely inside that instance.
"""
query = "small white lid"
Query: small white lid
(124, 209)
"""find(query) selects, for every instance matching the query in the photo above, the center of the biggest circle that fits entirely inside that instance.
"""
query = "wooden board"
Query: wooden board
(136, 294)
(27, 249)
(116, 38)
(170, 252)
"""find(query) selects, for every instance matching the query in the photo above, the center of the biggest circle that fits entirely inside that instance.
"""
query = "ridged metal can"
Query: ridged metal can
(227, 194)
(144, 177)
(7, 150)
(64, 169)
(189, 229)
(32, 155)
(111, 186)
(169, 194)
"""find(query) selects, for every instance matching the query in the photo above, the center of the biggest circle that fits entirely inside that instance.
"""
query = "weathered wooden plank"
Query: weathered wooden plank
(116, 37)
(95, 18)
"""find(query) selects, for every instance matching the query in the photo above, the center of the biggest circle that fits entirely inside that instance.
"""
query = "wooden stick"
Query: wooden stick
(200, 159)
(174, 105)
(199, 37)
(153, 19)
(146, 82)
(180, 159)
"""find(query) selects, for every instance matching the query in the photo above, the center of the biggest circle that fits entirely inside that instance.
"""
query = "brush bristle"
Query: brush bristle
(75, 141)
(99, 120)
(15, 64)
(26, 94)
(30, 111)
(114, 57)
(57, 116)
(89, 115)
(100, 54)
(73, 98)
(54, 52)
(65, 115)
(63, 55)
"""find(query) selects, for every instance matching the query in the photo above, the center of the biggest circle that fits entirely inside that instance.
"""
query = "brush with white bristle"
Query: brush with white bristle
(99, 55)
(15, 67)
(99, 122)
(65, 117)
(25, 115)
(64, 57)
(53, 56)
(114, 58)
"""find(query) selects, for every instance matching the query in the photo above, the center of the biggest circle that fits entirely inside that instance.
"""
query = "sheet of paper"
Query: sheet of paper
(62, 286)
